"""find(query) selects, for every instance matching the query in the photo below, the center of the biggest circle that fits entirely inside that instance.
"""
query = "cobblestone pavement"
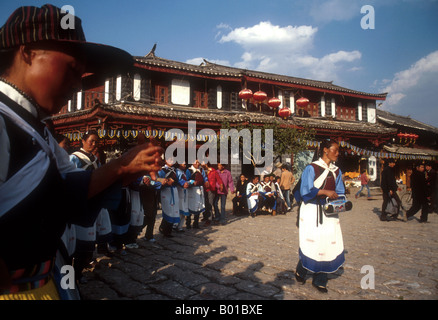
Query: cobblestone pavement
(255, 259)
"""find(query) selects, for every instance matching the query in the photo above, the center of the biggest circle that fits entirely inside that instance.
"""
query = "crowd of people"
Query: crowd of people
(56, 208)
(187, 196)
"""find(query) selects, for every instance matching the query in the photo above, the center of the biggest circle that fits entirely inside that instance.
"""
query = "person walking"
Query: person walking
(286, 181)
(389, 191)
(364, 179)
(419, 194)
(321, 247)
(41, 64)
(222, 194)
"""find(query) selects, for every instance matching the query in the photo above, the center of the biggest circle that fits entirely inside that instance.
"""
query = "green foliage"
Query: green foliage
(287, 139)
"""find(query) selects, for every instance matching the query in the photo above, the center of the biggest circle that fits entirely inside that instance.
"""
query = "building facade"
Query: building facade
(160, 94)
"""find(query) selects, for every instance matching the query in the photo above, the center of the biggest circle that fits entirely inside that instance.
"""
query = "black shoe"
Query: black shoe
(299, 278)
(320, 288)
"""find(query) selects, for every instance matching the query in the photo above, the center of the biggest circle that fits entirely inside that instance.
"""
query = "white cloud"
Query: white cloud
(286, 50)
(409, 78)
(265, 33)
(413, 91)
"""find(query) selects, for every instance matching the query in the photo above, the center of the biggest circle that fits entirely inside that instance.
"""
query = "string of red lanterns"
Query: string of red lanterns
(274, 103)
(407, 136)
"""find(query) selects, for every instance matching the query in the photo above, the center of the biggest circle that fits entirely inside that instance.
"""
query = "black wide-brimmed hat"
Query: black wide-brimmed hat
(51, 27)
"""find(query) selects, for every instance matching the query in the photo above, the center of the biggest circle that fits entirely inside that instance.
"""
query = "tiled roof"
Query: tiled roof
(403, 121)
(411, 151)
(342, 125)
(211, 69)
(219, 116)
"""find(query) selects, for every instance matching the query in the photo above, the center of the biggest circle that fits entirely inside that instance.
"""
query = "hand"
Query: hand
(331, 194)
(186, 185)
(146, 180)
(139, 160)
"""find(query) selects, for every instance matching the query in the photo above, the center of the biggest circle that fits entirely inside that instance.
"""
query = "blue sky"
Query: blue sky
(314, 39)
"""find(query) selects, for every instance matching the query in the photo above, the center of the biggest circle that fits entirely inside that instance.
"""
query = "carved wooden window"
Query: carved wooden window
(200, 99)
(161, 94)
(345, 113)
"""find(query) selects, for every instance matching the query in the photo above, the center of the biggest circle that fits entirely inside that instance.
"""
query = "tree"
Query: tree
(287, 139)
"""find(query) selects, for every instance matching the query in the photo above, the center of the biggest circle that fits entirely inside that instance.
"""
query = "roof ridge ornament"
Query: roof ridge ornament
(151, 53)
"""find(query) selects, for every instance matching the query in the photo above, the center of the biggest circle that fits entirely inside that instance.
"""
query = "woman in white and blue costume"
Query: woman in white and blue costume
(321, 247)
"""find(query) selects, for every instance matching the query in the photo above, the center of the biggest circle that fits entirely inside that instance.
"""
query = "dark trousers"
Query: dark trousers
(240, 205)
(417, 204)
(150, 207)
(319, 279)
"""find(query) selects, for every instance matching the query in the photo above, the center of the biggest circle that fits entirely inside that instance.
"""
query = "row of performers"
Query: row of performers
(182, 195)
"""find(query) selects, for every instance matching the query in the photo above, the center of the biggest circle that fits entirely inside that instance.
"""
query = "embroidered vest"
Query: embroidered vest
(30, 232)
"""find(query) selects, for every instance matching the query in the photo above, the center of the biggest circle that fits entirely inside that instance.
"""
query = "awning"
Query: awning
(412, 153)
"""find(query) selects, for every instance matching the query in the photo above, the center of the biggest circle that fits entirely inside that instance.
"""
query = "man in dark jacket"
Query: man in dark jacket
(389, 189)
(419, 194)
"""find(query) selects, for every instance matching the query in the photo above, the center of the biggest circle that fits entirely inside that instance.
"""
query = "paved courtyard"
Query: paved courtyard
(255, 259)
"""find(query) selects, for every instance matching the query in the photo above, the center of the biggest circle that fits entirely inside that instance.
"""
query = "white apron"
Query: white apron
(196, 200)
(183, 194)
(170, 204)
(253, 201)
(137, 213)
(103, 223)
(321, 245)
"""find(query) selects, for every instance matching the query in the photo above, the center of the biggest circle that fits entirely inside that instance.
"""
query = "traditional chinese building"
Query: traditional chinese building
(160, 94)
(415, 141)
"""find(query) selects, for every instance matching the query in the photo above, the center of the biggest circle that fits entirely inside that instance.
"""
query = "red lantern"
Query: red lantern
(302, 102)
(259, 96)
(245, 94)
(284, 113)
(274, 103)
